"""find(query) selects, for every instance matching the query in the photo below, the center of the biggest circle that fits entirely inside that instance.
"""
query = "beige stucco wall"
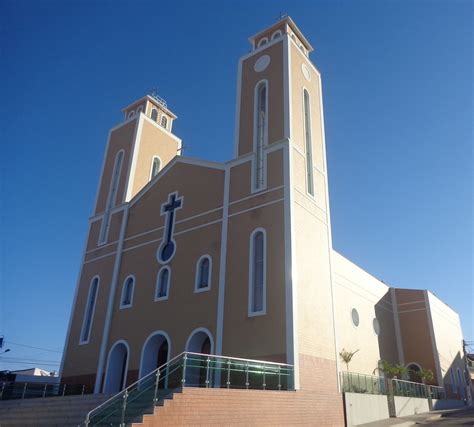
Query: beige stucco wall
(120, 138)
(83, 359)
(154, 141)
(274, 74)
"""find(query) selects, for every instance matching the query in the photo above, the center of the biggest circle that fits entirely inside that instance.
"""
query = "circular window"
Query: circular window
(261, 63)
(355, 317)
(376, 325)
(305, 71)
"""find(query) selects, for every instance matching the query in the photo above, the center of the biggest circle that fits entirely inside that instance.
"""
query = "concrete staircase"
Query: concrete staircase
(64, 411)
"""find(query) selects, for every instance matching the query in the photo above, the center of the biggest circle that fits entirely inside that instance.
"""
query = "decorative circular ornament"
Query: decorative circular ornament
(261, 63)
(305, 71)
(355, 317)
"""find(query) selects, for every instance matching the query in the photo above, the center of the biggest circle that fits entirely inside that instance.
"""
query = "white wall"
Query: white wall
(365, 408)
(448, 337)
(355, 288)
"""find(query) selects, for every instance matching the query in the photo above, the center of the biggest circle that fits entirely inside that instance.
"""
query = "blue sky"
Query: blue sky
(397, 86)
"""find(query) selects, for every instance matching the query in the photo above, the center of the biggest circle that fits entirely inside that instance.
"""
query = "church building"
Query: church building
(236, 258)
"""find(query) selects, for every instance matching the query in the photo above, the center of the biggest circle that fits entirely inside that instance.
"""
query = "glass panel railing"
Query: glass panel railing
(24, 390)
(189, 370)
(360, 383)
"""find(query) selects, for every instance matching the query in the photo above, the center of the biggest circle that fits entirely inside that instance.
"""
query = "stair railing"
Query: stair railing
(189, 369)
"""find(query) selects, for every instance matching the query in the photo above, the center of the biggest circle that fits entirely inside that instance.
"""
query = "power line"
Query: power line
(44, 364)
(25, 359)
(36, 348)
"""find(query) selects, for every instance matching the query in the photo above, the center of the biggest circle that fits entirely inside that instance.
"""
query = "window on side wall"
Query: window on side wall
(203, 274)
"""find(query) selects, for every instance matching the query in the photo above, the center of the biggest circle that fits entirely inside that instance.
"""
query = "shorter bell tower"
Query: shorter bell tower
(137, 150)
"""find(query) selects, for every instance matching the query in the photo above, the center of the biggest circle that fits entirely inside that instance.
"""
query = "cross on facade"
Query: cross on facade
(168, 246)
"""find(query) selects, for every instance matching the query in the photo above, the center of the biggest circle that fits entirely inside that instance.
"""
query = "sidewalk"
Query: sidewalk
(458, 417)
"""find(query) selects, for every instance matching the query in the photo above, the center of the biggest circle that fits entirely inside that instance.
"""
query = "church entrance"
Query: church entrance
(197, 374)
(155, 353)
(116, 374)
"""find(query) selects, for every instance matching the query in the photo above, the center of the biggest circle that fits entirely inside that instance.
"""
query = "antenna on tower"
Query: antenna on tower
(158, 98)
(282, 15)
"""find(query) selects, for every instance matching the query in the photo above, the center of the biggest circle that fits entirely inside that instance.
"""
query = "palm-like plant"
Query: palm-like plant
(426, 375)
(346, 357)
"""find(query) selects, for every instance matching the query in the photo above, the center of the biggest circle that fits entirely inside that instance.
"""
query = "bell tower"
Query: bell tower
(279, 102)
(137, 150)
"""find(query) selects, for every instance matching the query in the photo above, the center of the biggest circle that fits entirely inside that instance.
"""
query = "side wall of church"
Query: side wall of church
(355, 289)
(448, 337)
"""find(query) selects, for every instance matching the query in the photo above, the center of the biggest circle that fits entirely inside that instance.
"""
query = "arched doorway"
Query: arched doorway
(155, 353)
(117, 366)
(200, 341)
(413, 372)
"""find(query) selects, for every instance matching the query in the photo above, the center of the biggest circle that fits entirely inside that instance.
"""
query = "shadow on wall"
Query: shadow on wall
(387, 336)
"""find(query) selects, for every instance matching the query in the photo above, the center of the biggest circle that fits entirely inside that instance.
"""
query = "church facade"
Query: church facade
(236, 258)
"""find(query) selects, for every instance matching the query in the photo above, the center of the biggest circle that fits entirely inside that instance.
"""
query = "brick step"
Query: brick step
(50, 411)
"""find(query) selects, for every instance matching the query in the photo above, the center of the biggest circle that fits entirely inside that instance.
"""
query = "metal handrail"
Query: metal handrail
(182, 355)
(135, 383)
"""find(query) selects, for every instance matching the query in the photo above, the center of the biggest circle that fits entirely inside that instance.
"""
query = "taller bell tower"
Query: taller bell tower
(279, 101)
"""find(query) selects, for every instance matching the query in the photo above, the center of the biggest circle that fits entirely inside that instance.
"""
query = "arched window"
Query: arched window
(89, 311)
(203, 274)
(263, 42)
(257, 273)
(276, 34)
(127, 292)
(111, 199)
(154, 114)
(163, 284)
(130, 114)
(155, 166)
(139, 110)
(164, 121)
(260, 131)
(308, 143)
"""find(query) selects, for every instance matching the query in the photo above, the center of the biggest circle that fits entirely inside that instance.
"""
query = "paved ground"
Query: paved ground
(451, 417)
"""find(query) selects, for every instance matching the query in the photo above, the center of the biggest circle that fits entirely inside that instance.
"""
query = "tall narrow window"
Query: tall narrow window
(164, 121)
(203, 274)
(111, 198)
(89, 311)
(155, 167)
(260, 132)
(162, 284)
(154, 114)
(309, 147)
(257, 273)
(127, 292)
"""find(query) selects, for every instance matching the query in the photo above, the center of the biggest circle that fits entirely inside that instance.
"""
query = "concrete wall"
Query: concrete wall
(405, 406)
(364, 408)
